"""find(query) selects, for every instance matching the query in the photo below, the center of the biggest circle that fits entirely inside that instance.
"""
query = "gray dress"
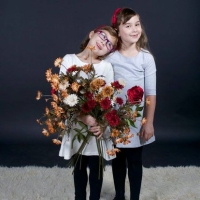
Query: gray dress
(141, 71)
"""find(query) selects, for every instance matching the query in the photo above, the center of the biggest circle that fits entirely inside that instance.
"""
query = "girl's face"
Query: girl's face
(131, 31)
(102, 41)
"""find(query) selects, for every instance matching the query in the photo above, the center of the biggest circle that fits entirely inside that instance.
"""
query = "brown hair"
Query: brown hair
(122, 16)
(112, 32)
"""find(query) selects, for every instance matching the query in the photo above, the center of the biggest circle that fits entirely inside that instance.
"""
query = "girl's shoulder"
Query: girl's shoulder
(105, 63)
(145, 52)
(69, 56)
(147, 55)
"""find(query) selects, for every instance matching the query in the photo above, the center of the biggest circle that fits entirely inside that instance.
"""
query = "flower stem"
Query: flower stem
(75, 158)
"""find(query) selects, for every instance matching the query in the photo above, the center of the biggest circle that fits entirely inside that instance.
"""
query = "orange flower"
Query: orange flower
(39, 95)
(64, 93)
(55, 97)
(126, 130)
(61, 125)
(75, 86)
(54, 105)
(98, 97)
(114, 133)
(48, 75)
(50, 126)
(46, 111)
(55, 79)
(38, 121)
(135, 113)
(144, 121)
(57, 113)
(56, 141)
(87, 68)
(112, 152)
(147, 101)
(107, 91)
(91, 48)
(60, 109)
(118, 140)
(97, 83)
(126, 141)
(58, 62)
(130, 135)
(45, 132)
(51, 129)
(54, 86)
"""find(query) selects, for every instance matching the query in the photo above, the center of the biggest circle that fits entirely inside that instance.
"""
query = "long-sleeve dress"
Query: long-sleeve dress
(141, 71)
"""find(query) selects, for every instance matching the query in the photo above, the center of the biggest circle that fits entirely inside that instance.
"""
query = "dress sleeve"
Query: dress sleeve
(65, 64)
(150, 76)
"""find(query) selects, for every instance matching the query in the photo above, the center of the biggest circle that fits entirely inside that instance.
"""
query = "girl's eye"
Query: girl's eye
(104, 36)
(109, 44)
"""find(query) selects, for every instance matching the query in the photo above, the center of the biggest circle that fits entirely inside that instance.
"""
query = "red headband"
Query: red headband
(114, 17)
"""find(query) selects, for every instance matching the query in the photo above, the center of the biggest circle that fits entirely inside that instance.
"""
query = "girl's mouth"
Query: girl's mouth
(99, 46)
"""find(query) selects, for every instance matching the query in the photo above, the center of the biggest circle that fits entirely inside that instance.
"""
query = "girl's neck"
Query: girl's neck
(88, 56)
(129, 50)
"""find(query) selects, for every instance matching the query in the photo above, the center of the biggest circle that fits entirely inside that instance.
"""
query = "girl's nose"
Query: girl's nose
(103, 42)
(134, 29)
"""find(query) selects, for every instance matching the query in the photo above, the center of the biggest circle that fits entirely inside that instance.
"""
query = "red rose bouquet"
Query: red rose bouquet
(72, 94)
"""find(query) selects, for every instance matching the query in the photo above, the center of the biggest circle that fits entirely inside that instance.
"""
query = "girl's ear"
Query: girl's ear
(91, 34)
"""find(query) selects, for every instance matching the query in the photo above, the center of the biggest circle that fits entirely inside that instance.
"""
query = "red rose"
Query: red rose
(112, 118)
(117, 85)
(135, 94)
(86, 107)
(89, 95)
(119, 100)
(92, 103)
(53, 91)
(71, 69)
(105, 103)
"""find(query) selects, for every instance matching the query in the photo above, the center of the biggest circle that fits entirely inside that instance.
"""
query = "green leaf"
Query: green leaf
(132, 123)
(138, 108)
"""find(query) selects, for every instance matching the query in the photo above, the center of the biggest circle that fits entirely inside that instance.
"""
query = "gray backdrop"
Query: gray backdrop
(34, 33)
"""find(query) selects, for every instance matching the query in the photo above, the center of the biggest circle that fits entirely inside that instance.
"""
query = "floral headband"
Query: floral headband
(114, 17)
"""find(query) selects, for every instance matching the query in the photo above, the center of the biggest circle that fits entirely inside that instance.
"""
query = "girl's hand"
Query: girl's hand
(147, 131)
(88, 120)
(97, 131)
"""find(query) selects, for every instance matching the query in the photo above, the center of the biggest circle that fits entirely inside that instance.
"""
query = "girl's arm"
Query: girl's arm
(147, 130)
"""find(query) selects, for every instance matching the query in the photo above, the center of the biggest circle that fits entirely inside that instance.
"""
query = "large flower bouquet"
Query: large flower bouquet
(72, 95)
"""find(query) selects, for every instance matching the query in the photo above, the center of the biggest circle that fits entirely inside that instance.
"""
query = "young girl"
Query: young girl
(135, 64)
(103, 40)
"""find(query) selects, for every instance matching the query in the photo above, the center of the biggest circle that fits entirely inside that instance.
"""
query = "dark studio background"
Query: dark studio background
(34, 33)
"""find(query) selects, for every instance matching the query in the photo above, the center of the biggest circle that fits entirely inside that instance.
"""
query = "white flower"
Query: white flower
(119, 91)
(63, 85)
(121, 81)
(114, 99)
(71, 100)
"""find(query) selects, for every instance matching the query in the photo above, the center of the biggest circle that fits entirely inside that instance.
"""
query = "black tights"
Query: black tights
(81, 178)
(133, 158)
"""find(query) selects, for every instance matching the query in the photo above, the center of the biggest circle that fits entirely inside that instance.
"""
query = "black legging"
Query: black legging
(81, 178)
(133, 158)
